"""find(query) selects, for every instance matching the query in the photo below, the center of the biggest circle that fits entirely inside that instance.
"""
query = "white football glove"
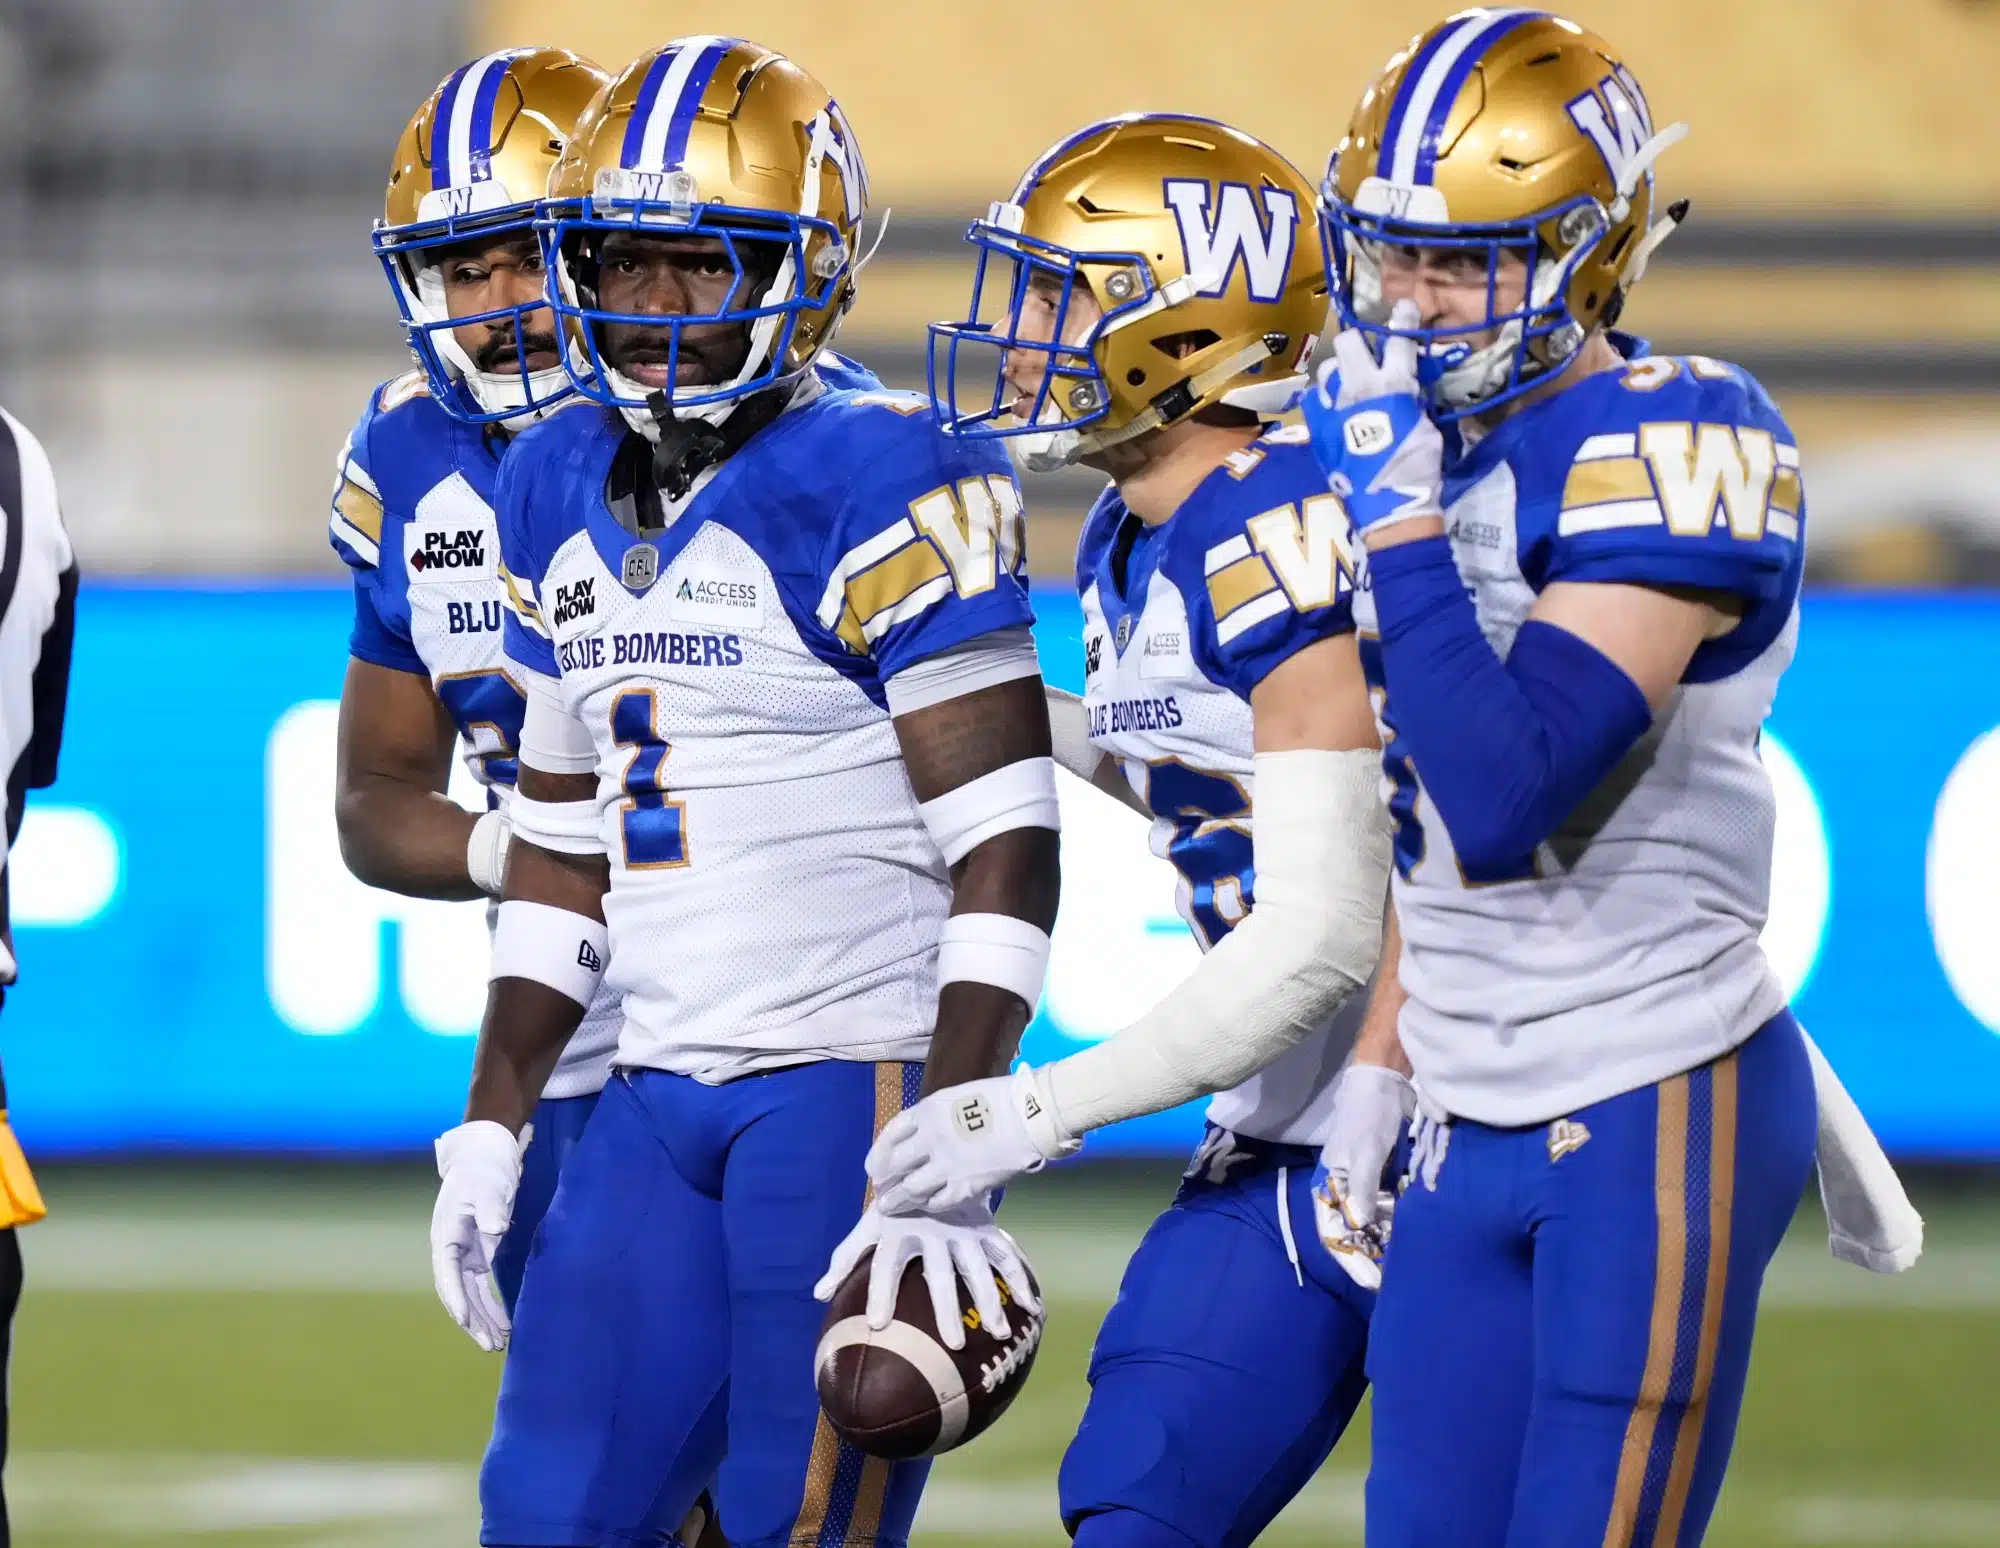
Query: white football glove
(1351, 1199)
(486, 852)
(479, 1167)
(961, 1243)
(957, 1145)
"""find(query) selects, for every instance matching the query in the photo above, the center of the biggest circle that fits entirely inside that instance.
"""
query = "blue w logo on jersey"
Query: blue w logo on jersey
(1214, 243)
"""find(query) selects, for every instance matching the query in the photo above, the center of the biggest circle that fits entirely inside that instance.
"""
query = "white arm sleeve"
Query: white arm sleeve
(1321, 847)
(999, 657)
(1069, 734)
(552, 739)
(1069, 740)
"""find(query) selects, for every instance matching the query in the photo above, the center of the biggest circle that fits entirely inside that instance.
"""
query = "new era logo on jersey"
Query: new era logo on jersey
(443, 553)
(1216, 237)
(574, 599)
(711, 594)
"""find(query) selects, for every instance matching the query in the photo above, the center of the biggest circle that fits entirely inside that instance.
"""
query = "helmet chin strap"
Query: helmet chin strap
(686, 447)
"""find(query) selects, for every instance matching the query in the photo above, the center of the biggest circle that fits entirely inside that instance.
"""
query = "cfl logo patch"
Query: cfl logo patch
(972, 1117)
(1369, 433)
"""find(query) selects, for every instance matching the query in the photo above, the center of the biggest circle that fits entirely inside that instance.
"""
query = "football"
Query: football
(899, 1392)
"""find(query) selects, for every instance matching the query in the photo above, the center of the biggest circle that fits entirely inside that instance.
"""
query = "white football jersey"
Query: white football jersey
(775, 896)
(1180, 623)
(1625, 949)
(413, 518)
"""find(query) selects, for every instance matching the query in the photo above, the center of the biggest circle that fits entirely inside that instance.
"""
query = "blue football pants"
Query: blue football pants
(1228, 1367)
(666, 1328)
(1563, 1333)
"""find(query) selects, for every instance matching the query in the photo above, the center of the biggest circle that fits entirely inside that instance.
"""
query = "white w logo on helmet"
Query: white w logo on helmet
(1616, 118)
(1212, 246)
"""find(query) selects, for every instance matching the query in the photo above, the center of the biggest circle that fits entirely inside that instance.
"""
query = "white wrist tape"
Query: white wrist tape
(486, 852)
(552, 738)
(1069, 734)
(550, 946)
(994, 949)
(1320, 844)
(1020, 795)
(567, 827)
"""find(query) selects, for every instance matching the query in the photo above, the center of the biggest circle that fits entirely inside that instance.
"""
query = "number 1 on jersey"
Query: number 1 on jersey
(650, 823)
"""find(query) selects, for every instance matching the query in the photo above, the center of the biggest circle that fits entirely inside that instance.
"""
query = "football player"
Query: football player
(1142, 302)
(1580, 567)
(413, 518)
(785, 768)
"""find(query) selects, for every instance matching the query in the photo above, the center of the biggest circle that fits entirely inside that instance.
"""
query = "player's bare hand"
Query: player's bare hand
(479, 1169)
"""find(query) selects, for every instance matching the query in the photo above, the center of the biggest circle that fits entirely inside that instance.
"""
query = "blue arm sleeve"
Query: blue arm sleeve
(1506, 749)
(375, 640)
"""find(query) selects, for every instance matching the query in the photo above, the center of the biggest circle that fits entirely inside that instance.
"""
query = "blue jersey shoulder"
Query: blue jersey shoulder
(1261, 552)
(1671, 470)
(402, 447)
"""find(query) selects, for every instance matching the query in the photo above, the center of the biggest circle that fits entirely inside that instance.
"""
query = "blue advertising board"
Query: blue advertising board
(200, 972)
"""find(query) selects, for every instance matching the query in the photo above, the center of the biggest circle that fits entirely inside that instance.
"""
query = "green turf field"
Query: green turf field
(253, 1359)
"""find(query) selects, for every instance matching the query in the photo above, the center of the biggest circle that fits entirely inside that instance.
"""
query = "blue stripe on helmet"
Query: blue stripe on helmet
(441, 169)
(1062, 148)
(1454, 83)
(642, 107)
(692, 91)
(479, 150)
(1406, 90)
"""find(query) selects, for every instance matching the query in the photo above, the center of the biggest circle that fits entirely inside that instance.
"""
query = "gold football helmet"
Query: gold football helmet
(720, 139)
(470, 167)
(1189, 238)
(1499, 131)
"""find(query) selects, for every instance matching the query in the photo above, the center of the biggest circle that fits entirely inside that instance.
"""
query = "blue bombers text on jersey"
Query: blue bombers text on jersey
(775, 896)
(1624, 950)
(1180, 623)
(413, 518)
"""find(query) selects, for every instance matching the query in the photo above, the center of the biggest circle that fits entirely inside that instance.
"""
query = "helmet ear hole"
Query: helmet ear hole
(1135, 377)
(1178, 346)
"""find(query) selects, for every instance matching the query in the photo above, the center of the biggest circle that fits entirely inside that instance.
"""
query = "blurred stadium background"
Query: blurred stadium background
(228, 1057)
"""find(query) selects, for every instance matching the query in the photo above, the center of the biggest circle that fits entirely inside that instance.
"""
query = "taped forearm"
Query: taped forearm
(1312, 939)
(1069, 738)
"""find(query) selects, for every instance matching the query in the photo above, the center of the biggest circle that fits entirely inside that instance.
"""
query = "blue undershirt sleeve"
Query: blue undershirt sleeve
(1506, 749)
